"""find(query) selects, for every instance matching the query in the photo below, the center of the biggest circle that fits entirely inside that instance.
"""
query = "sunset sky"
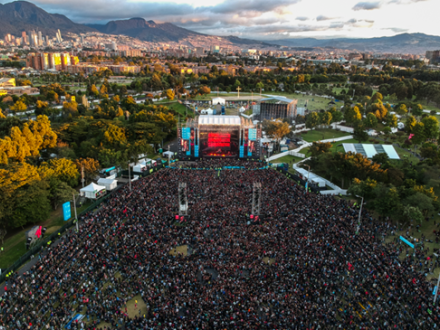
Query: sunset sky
(264, 19)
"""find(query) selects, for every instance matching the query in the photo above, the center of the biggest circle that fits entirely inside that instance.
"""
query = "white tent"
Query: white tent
(217, 100)
(109, 184)
(207, 112)
(139, 167)
(93, 191)
(242, 109)
(167, 154)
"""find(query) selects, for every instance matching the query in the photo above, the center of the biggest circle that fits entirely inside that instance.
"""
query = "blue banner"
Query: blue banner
(433, 291)
(196, 151)
(77, 317)
(186, 133)
(241, 151)
(407, 242)
(252, 134)
(66, 211)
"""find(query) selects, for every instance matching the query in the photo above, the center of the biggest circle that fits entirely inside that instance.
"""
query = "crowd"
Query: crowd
(302, 266)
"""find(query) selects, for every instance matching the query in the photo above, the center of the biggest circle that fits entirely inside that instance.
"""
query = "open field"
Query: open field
(322, 134)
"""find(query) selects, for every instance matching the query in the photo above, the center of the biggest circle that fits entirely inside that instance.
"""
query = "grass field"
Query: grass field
(286, 159)
(183, 249)
(322, 134)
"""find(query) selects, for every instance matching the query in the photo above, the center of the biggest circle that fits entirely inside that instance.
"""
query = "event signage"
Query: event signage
(196, 151)
(407, 242)
(252, 134)
(66, 211)
(241, 151)
(434, 291)
(186, 133)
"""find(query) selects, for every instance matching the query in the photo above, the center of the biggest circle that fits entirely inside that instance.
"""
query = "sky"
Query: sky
(264, 19)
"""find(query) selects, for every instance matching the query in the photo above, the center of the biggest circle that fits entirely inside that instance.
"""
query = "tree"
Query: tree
(412, 213)
(376, 97)
(318, 148)
(421, 201)
(401, 110)
(59, 192)
(277, 130)
(2, 116)
(312, 120)
(431, 127)
(114, 135)
(410, 123)
(352, 115)
(359, 134)
(326, 118)
(91, 167)
(391, 120)
(417, 110)
(204, 90)
(260, 86)
(419, 133)
(19, 106)
(170, 94)
(370, 121)
(387, 201)
(63, 169)
(94, 90)
(337, 116)
(70, 107)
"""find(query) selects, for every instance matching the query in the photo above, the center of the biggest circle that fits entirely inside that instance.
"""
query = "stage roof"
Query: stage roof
(369, 150)
(219, 120)
(277, 98)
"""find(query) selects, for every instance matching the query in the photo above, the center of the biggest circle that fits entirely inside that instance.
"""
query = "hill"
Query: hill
(413, 43)
(19, 16)
(146, 30)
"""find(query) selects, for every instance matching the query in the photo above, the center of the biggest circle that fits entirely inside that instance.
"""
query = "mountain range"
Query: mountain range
(413, 43)
(19, 16)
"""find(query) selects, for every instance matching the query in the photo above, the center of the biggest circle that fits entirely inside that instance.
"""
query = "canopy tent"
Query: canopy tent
(93, 191)
(242, 109)
(109, 184)
(218, 100)
(167, 154)
(139, 168)
(207, 112)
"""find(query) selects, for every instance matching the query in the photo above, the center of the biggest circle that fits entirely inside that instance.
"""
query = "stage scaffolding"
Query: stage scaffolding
(256, 198)
(182, 198)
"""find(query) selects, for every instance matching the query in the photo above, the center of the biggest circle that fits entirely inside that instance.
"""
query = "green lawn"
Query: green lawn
(286, 159)
(322, 134)
(314, 102)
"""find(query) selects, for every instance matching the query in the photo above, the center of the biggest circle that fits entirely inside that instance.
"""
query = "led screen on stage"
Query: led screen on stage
(219, 141)
(186, 133)
(252, 134)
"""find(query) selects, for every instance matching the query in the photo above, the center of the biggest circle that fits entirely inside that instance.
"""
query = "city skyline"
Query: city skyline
(262, 19)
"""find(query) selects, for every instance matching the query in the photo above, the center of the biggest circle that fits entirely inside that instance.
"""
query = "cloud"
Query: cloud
(367, 6)
(302, 18)
(405, 2)
(239, 6)
(324, 18)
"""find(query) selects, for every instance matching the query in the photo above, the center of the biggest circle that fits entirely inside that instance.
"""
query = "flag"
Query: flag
(38, 232)
(410, 136)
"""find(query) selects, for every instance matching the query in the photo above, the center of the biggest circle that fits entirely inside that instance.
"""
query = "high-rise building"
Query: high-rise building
(59, 39)
(65, 61)
(23, 34)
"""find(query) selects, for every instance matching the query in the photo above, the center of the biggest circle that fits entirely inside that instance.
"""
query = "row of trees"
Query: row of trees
(395, 189)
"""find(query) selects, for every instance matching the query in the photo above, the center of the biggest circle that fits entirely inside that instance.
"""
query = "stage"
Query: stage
(219, 137)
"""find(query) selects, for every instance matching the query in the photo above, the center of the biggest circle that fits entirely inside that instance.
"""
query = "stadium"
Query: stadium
(221, 243)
